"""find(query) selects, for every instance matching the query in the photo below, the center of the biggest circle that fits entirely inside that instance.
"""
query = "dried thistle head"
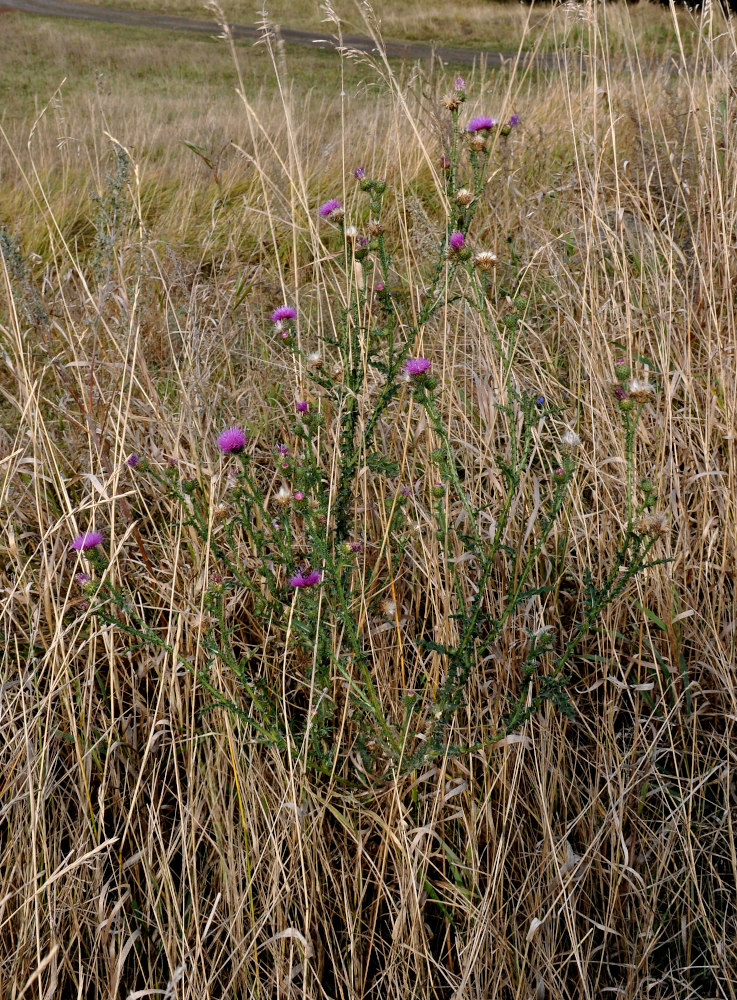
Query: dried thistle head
(654, 524)
(485, 260)
(641, 390)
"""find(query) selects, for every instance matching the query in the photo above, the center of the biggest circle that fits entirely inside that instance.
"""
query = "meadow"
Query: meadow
(367, 440)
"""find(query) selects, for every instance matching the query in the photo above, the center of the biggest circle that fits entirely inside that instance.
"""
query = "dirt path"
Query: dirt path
(173, 22)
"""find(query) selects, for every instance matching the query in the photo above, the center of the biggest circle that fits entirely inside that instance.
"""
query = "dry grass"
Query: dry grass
(150, 849)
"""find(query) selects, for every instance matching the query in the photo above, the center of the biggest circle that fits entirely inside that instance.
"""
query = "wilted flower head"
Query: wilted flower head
(481, 123)
(464, 197)
(232, 440)
(308, 578)
(388, 607)
(301, 406)
(513, 120)
(641, 390)
(654, 524)
(570, 440)
(416, 366)
(444, 163)
(485, 260)
(359, 173)
(351, 234)
(283, 313)
(283, 496)
(88, 540)
(314, 359)
(82, 578)
(619, 393)
(330, 207)
(457, 240)
(132, 460)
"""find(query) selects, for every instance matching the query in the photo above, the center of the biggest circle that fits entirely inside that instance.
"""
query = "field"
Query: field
(420, 683)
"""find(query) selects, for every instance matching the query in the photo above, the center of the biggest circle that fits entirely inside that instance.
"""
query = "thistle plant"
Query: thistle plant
(311, 570)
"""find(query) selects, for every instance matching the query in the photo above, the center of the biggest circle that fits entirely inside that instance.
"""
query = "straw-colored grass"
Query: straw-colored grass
(150, 849)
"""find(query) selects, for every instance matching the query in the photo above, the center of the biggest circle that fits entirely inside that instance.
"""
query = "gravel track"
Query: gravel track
(174, 22)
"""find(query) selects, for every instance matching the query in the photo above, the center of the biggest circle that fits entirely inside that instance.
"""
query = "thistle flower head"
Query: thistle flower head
(132, 461)
(388, 607)
(482, 123)
(351, 234)
(485, 260)
(314, 359)
(457, 240)
(82, 578)
(444, 163)
(654, 524)
(452, 101)
(460, 83)
(641, 390)
(283, 313)
(513, 120)
(232, 440)
(298, 495)
(283, 496)
(464, 197)
(330, 208)
(88, 540)
(416, 366)
(306, 578)
(359, 173)
(301, 406)
(282, 449)
(570, 440)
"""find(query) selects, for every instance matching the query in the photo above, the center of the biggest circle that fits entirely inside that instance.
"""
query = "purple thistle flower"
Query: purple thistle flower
(460, 83)
(327, 209)
(480, 123)
(132, 460)
(299, 495)
(513, 120)
(359, 173)
(379, 287)
(457, 240)
(282, 449)
(282, 313)
(307, 579)
(301, 405)
(232, 440)
(87, 541)
(82, 578)
(416, 366)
